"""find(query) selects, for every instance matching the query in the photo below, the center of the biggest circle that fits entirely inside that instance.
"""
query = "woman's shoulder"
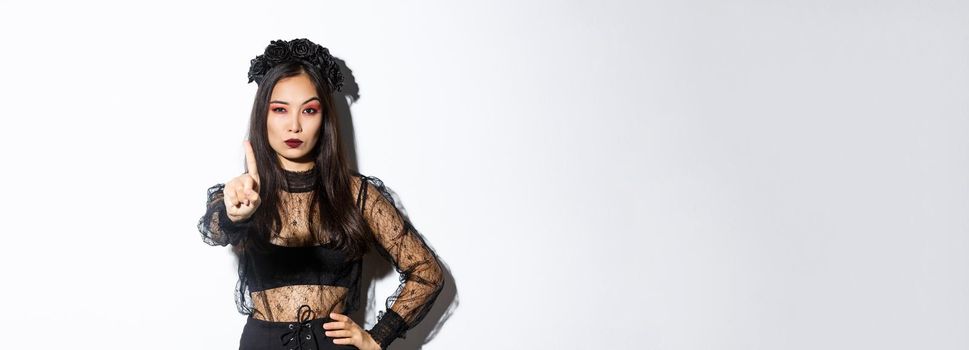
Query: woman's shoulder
(356, 180)
(373, 185)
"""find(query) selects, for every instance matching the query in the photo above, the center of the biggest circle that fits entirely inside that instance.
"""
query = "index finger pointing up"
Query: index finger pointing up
(251, 162)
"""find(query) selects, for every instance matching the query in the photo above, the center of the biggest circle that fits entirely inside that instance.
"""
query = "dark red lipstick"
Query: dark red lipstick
(293, 143)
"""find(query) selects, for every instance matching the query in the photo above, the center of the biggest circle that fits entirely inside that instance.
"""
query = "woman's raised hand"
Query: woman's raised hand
(242, 192)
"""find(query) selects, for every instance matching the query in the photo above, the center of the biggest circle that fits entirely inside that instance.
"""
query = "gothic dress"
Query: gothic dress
(288, 287)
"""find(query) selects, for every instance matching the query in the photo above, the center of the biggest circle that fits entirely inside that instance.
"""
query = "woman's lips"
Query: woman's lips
(293, 143)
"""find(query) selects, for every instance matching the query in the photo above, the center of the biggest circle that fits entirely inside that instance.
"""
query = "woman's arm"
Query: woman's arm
(243, 200)
(421, 274)
(215, 226)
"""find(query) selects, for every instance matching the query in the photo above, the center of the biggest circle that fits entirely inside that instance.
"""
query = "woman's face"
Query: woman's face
(294, 114)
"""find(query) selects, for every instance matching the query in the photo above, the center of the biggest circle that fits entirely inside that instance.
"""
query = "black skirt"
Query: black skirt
(307, 334)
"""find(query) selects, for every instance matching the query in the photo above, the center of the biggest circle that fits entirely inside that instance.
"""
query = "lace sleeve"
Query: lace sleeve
(420, 271)
(215, 226)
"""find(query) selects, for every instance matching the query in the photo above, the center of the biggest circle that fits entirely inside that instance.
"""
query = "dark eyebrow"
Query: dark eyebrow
(287, 103)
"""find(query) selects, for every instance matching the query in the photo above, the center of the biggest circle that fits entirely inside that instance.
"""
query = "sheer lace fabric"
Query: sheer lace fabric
(277, 304)
(399, 242)
(300, 270)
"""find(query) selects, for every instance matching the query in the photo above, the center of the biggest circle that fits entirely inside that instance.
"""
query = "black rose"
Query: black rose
(335, 77)
(257, 67)
(324, 59)
(277, 51)
(303, 48)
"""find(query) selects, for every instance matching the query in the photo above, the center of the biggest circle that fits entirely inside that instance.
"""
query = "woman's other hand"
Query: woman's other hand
(346, 332)
(242, 192)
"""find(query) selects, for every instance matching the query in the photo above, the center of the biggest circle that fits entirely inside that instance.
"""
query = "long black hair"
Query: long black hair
(344, 225)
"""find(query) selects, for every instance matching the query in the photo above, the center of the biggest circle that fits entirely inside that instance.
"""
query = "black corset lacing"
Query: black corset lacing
(300, 332)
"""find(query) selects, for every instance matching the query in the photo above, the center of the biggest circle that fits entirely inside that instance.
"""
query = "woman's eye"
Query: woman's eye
(279, 110)
(311, 109)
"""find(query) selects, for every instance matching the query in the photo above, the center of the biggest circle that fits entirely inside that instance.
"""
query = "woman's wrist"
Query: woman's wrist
(370, 341)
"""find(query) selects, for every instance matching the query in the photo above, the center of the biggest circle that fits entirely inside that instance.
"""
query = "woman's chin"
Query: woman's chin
(295, 156)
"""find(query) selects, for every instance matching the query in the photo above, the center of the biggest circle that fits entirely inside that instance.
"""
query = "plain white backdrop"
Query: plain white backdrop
(594, 174)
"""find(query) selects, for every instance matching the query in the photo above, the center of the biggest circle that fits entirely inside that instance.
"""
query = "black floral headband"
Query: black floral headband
(280, 51)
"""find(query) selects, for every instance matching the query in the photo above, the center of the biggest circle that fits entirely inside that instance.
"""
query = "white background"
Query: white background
(594, 174)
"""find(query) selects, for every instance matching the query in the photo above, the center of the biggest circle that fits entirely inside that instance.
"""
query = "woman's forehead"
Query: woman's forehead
(297, 89)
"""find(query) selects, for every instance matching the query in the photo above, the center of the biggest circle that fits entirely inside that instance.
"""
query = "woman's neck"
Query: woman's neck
(300, 180)
(291, 165)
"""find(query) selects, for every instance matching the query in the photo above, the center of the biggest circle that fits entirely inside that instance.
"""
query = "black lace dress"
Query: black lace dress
(297, 274)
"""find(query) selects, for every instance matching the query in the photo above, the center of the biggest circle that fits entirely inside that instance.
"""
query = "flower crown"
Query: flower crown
(280, 51)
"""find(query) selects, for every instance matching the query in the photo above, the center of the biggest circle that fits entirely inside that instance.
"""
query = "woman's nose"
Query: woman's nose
(294, 125)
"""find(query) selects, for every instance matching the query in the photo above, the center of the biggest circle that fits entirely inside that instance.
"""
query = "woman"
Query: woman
(299, 220)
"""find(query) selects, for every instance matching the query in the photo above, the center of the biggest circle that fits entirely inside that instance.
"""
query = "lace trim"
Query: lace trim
(390, 326)
(301, 181)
